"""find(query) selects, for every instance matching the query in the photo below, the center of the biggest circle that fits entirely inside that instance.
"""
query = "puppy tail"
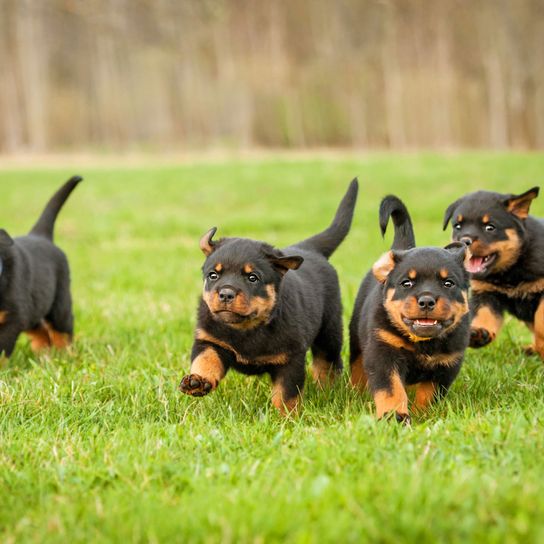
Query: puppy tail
(46, 223)
(393, 207)
(327, 241)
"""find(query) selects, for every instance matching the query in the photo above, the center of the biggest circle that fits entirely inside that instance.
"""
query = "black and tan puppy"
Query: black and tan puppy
(507, 263)
(35, 283)
(263, 308)
(410, 324)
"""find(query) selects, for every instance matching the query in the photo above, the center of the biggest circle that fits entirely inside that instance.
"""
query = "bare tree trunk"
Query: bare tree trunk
(393, 85)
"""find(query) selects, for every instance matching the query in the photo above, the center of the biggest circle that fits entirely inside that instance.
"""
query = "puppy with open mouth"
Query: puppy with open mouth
(507, 265)
(410, 324)
(262, 309)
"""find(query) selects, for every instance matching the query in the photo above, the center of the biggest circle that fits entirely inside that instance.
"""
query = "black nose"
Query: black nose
(226, 295)
(426, 302)
(467, 240)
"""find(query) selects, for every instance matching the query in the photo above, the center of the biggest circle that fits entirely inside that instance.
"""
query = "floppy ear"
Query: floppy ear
(5, 239)
(449, 212)
(283, 264)
(462, 253)
(206, 244)
(519, 204)
(385, 264)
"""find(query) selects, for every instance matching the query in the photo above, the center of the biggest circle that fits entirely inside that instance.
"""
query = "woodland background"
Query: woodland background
(170, 74)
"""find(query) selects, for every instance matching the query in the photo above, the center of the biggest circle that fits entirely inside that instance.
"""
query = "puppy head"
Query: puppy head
(493, 225)
(425, 289)
(242, 278)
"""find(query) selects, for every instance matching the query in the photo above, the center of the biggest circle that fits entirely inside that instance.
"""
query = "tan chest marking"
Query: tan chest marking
(440, 359)
(523, 290)
(276, 359)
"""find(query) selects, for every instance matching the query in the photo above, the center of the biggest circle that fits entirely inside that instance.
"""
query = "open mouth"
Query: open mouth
(479, 264)
(426, 326)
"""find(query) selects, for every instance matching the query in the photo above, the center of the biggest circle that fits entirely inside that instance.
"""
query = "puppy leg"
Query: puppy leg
(208, 367)
(287, 385)
(391, 397)
(358, 377)
(539, 329)
(386, 381)
(60, 320)
(8, 339)
(327, 347)
(486, 324)
(425, 394)
(437, 388)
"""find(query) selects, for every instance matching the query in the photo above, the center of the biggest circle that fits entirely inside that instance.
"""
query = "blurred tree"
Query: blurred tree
(159, 74)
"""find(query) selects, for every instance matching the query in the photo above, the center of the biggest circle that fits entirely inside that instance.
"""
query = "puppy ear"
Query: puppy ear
(462, 253)
(449, 212)
(519, 204)
(283, 264)
(5, 239)
(385, 265)
(206, 244)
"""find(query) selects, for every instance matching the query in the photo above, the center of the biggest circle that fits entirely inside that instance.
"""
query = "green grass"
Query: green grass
(98, 445)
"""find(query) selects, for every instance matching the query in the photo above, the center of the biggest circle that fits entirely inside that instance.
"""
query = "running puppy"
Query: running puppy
(410, 324)
(35, 283)
(263, 308)
(507, 265)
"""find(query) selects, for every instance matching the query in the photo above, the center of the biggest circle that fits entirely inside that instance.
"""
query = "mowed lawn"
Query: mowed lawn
(98, 445)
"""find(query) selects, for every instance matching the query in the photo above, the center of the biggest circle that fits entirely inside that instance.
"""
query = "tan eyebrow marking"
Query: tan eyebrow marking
(485, 218)
(412, 274)
(459, 218)
(248, 268)
(444, 273)
(218, 267)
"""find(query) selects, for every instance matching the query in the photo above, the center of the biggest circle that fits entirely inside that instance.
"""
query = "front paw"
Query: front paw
(399, 417)
(195, 385)
(480, 338)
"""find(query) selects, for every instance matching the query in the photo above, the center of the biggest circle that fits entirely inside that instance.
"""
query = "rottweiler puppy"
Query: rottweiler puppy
(507, 263)
(35, 283)
(262, 309)
(410, 323)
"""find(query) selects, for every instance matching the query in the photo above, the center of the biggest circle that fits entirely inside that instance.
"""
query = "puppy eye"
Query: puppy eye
(213, 276)
(252, 278)
(489, 227)
(457, 226)
(448, 283)
(407, 284)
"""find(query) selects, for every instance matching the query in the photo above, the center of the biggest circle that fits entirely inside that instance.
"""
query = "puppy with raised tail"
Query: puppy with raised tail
(263, 308)
(410, 324)
(35, 283)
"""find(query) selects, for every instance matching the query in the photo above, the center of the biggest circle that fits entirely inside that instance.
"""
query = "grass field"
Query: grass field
(98, 445)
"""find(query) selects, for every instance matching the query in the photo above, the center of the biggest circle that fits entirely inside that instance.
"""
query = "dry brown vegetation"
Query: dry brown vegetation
(285, 73)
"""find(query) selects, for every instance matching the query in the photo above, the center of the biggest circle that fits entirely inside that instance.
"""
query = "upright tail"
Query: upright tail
(391, 206)
(327, 241)
(46, 223)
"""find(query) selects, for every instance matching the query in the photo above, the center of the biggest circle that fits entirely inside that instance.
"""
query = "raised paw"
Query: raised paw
(480, 338)
(195, 385)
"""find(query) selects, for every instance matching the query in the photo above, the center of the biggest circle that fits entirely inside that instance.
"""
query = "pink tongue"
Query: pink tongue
(475, 264)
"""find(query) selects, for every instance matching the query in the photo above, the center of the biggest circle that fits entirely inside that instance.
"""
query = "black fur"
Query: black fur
(512, 241)
(386, 346)
(35, 282)
(268, 325)
(392, 207)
